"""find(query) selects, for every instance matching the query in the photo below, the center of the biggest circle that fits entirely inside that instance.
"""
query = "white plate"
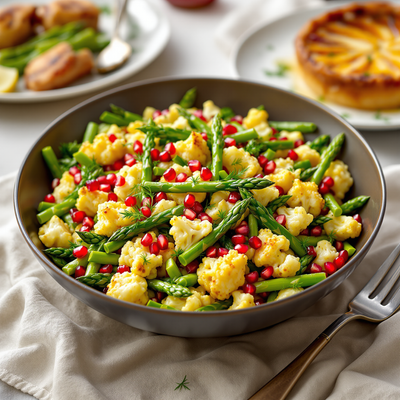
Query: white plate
(265, 46)
(145, 28)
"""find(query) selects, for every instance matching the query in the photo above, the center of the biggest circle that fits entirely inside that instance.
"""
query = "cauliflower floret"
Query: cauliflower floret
(307, 153)
(148, 113)
(255, 117)
(194, 148)
(306, 195)
(223, 275)
(186, 232)
(296, 219)
(132, 128)
(133, 176)
(175, 302)
(173, 114)
(266, 195)
(283, 163)
(264, 131)
(283, 178)
(114, 129)
(288, 268)
(210, 109)
(128, 287)
(89, 201)
(103, 150)
(55, 233)
(339, 171)
(163, 205)
(284, 293)
(241, 300)
(235, 159)
(325, 253)
(131, 139)
(65, 187)
(295, 135)
(198, 299)
(344, 227)
(110, 218)
(181, 123)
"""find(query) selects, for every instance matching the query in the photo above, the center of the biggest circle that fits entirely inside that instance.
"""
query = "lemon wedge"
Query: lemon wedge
(8, 79)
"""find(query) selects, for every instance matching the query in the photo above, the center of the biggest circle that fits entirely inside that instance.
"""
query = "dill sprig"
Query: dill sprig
(177, 252)
(183, 384)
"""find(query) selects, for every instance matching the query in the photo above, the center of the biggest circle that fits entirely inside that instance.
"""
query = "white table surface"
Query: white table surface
(192, 51)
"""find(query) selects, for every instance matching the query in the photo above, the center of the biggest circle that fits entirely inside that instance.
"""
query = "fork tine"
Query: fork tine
(389, 285)
(394, 302)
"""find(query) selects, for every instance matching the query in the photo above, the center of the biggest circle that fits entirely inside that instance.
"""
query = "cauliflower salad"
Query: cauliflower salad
(199, 209)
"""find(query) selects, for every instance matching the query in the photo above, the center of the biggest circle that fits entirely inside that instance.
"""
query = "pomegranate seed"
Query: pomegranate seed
(112, 197)
(199, 114)
(293, 155)
(238, 119)
(77, 178)
(229, 142)
(154, 249)
(229, 129)
(88, 221)
(280, 190)
(146, 202)
(170, 148)
(225, 169)
(241, 248)
(72, 210)
(344, 254)
(130, 162)
(282, 139)
(54, 183)
(252, 277)
(274, 131)
(160, 296)
(238, 239)
(146, 211)
(165, 112)
(311, 251)
(105, 187)
(112, 138)
(154, 299)
(205, 174)
(49, 198)
(156, 114)
(120, 181)
(106, 269)
(80, 252)
(243, 229)
(339, 246)
(181, 177)
(205, 217)
(339, 262)
(316, 231)
(73, 171)
(162, 242)
(324, 188)
(328, 180)
(204, 136)
(305, 232)
(267, 272)
(324, 211)
(281, 219)
(273, 139)
(189, 201)
(330, 268)
(112, 179)
(197, 207)
(315, 268)
(160, 196)
(93, 185)
(84, 228)
(130, 201)
(234, 197)
(108, 168)
(298, 143)
(80, 271)
(192, 266)
(212, 252)
(264, 295)
(222, 251)
(357, 217)
(249, 288)
(123, 268)
(169, 175)
(102, 179)
(189, 214)
(262, 160)
(269, 167)
(155, 154)
(255, 242)
(259, 176)
(146, 240)
(259, 302)
(194, 165)
(128, 157)
(165, 156)
(138, 147)
(78, 216)
(118, 165)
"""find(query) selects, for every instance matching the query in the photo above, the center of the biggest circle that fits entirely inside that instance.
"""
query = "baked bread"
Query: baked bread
(351, 56)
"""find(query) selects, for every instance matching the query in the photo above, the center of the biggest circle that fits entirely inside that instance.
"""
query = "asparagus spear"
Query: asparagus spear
(91, 237)
(172, 269)
(147, 163)
(227, 113)
(308, 173)
(188, 98)
(168, 133)
(57, 209)
(278, 202)
(217, 147)
(154, 304)
(110, 247)
(59, 252)
(303, 127)
(255, 148)
(110, 118)
(332, 204)
(103, 258)
(305, 164)
(180, 161)
(157, 171)
(218, 305)
(244, 136)
(188, 280)
(352, 205)
(96, 280)
(91, 131)
(253, 225)
(60, 262)
(311, 240)
(127, 115)
(270, 154)
(83, 159)
(319, 142)
(304, 262)
(52, 162)
(44, 205)
(349, 248)
(169, 288)
(320, 220)
(272, 296)
(195, 122)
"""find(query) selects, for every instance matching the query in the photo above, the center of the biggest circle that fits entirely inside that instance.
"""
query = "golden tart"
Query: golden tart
(351, 56)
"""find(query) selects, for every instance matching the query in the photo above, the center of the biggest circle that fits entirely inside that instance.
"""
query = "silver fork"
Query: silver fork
(377, 301)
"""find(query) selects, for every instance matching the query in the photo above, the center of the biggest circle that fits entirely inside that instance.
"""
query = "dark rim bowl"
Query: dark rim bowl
(33, 182)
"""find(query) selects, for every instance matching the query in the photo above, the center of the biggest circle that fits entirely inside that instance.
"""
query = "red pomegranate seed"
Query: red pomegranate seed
(255, 242)
(222, 251)
(165, 156)
(88, 221)
(80, 252)
(241, 248)
(181, 177)
(165, 112)
(205, 174)
(262, 160)
(357, 217)
(311, 251)
(130, 201)
(243, 229)
(93, 185)
(78, 216)
(234, 197)
(249, 288)
(154, 249)
(229, 142)
(280, 190)
(282, 139)
(258, 302)
(72, 210)
(162, 242)
(339, 246)
(189, 201)
(324, 188)
(160, 196)
(197, 207)
(123, 268)
(170, 148)
(252, 277)
(80, 271)
(112, 179)
(324, 211)
(130, 162)
(273, 139)
(138, 147)
(199, 114)
(264, 295)
(108, 168)
(212, 252)
(229, 129)
(316, 231)
(204, 136)
(77, 178)
(315, 268)
(106, 269)
(194, 165)
(192, 266)
(54, 183)
(156, 114)
(339, 262)
(84, 228)
(205, 217)
(49, 198)
(328, 180)
(120, 181)
(118, 165)
(189, 214)
(155, 154)
(146, 211)
(330, 268)
(238, 119)
(128, 157)
(102, 179)
(112, 138)
(281, 219)
(298, 143)
(74, 170)
(160, 296)
(238, 239)
(344, 254)
(225, 169)
(293, 155)
(146, 202)
(259, 176)
(105, 187)
(267, 272)
(169, 175)
(274, 131)
(112, 197)
(305, 232)
(146, 240)
(270, 167)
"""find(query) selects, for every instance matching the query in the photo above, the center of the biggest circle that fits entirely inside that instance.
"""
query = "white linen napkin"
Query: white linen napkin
(52, 346)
